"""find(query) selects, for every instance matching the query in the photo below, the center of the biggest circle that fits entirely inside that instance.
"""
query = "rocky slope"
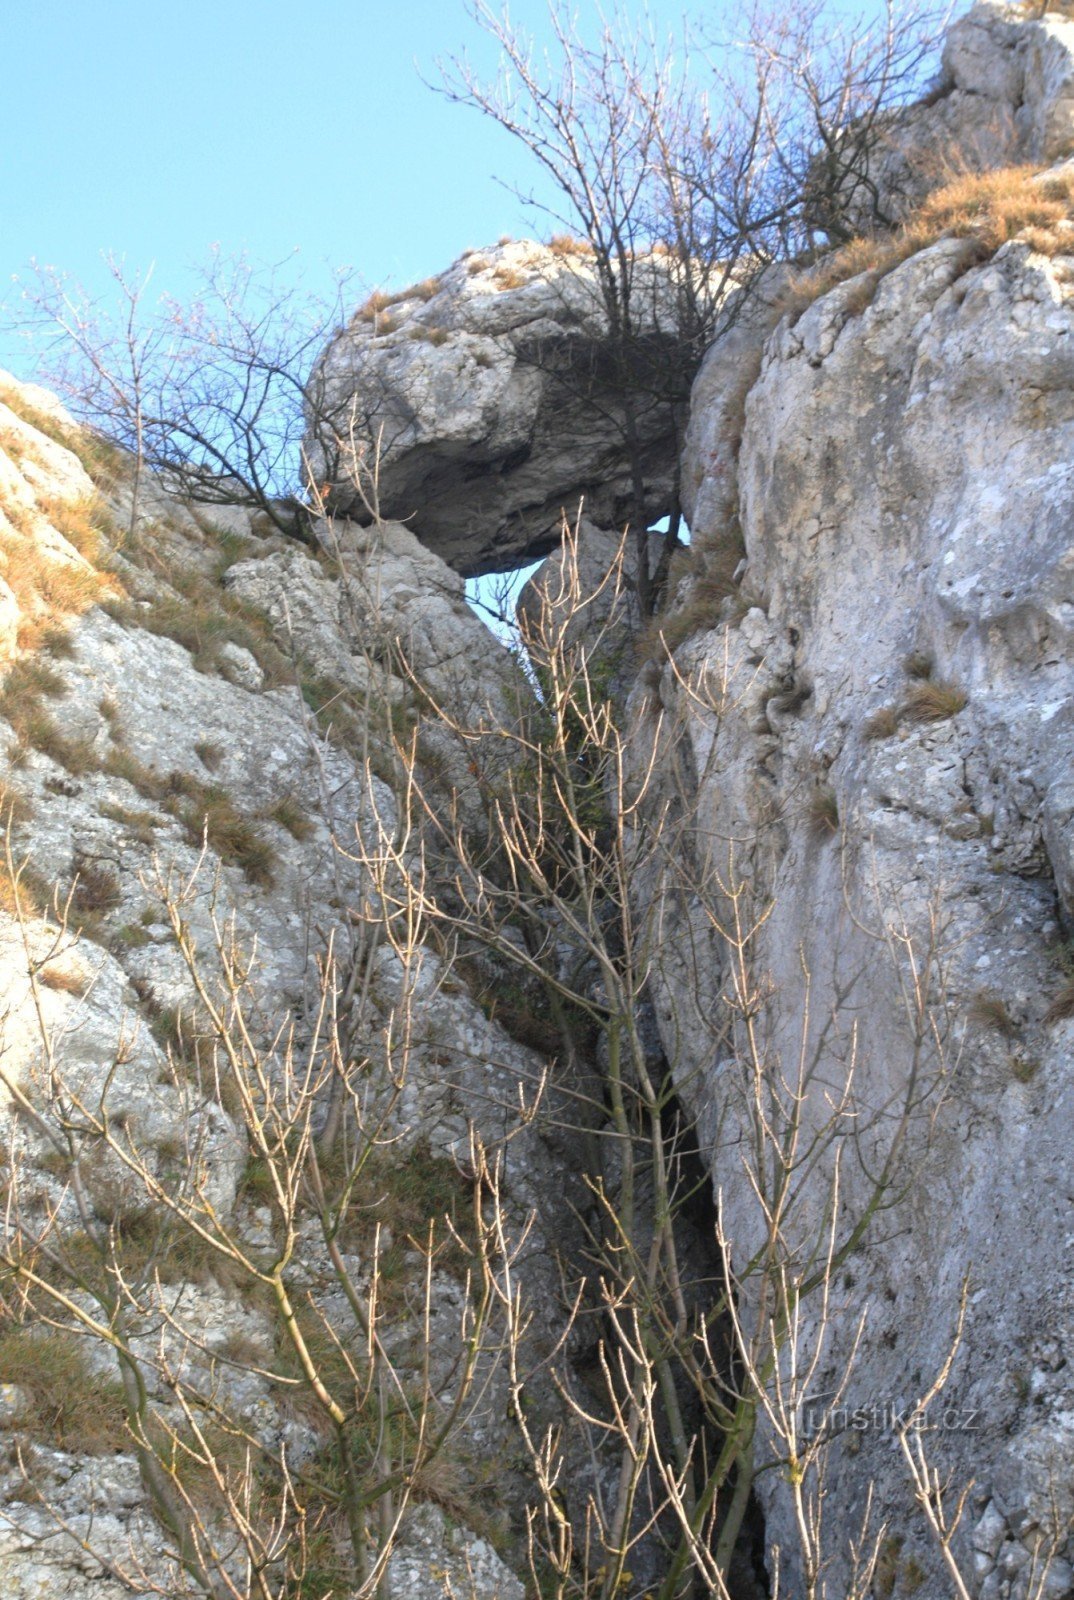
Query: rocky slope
(202, 739)
(856, 709)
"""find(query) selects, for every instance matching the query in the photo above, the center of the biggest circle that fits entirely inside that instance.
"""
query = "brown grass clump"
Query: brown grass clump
(1062, 1007)
(371, 308)
(14, 808)
(23, 891)
(990, 1011)
(201, 617)
(49, 589)
(932, 701)
(668, 630)
(1046, 241)
(289, 814)
(150, 784)
(565, 244)
(987, 209)
(18, 446)
(206, 811)
(67, 1404)
(380, 300)
(141, 825)
(95, 891)
(823, 810)
(509, 278)
(427, 335)
(883, 724)
(209, 754)
(25, 687)
(55, 640)
(713, 565)
(83, 522)
(209, 813)
(104, 461)
(64, 980)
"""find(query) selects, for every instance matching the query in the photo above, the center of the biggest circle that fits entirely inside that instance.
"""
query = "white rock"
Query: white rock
(485, 439)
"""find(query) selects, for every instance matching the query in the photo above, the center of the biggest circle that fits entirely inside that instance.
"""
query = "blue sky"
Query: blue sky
(159, 131)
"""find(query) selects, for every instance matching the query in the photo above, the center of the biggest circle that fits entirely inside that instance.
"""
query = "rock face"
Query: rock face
(199, 743)
(889, 749)
(484, 390)
(1006, 96)
(858, 915)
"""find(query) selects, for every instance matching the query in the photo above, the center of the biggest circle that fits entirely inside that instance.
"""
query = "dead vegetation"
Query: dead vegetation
(105, 462)
(990, 1011)
(381, 300)
(985, 209)
(61, 1401)
(207, 812)
(822, 811)
(931, 700)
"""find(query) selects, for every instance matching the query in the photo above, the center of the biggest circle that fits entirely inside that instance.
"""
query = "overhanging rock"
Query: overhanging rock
(494, 402)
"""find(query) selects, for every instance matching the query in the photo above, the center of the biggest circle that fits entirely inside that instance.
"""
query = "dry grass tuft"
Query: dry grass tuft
(1047, 241)
(932, 701)
(67, 1404)
(823, 811)
(509, 278)
(290, 814)
(14, 808)
(26, 685)
(990, 1011)
(64, 980)
(371, 308)
(209, 813)
(105, 462)
(209, 754)
(140, 825)
(23, 891)
(1062, 1007)
(668, 630)
(426, 335)
(986, 209)
(380, 300)
(565, 244)
(49, 589)
(883, 724)
(95, 891)
(83, 522)
(55, 640)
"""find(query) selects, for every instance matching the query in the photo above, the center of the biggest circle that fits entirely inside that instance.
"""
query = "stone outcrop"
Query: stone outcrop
(483, 390)
(863, 748)
(202, 730)
(890, 750)
(1006, 96)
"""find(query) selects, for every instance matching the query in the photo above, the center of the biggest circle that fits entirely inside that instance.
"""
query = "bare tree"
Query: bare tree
(705, 1368)
(211, 396)
(687, 166)
(702, 1349)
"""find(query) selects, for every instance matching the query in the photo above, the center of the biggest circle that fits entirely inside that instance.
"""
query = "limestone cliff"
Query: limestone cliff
(850, 733)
